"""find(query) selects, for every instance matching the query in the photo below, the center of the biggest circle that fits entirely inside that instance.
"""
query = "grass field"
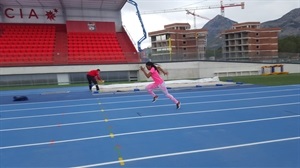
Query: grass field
(270, 80)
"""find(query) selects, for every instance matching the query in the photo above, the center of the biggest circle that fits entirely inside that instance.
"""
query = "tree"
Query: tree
(290, 44)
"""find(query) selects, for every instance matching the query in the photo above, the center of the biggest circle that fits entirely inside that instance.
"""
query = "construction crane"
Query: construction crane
(194, 14)
(142, 24)
(221, 6)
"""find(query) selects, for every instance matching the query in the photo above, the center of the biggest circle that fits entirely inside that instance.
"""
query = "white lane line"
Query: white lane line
(153, 106)
(138, 107)
(206, 102)
(148, 116)
(202, 91)
(192, 152)
(55, 142)
(150, 131)
(50, 115)
(43, 108)
(202, 96)
(51, 126)
(90, 104)
(139, 100)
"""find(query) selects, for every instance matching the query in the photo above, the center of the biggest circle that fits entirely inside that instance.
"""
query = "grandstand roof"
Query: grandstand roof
(85, 4)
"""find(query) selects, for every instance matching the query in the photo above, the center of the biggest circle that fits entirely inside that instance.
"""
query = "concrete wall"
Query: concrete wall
(177, 70)
(64, 69)
(15, 14)
(18, 14)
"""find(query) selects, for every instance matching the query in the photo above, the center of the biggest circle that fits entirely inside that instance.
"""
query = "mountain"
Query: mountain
(289, 23)
(215, 27)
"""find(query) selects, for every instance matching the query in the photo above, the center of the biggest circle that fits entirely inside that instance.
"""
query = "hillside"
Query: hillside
(215, 27)
(289, 23)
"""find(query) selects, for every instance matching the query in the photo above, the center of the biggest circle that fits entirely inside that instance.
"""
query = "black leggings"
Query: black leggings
(90, 80)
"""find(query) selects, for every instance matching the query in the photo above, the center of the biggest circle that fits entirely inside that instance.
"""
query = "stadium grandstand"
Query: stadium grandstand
(56, 34)
(63, 32)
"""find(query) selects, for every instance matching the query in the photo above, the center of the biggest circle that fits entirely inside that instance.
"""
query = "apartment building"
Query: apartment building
(178, 42)
(249, 42)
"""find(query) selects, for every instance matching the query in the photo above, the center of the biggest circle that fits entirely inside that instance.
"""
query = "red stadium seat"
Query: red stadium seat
(24, 41)
(98, 46)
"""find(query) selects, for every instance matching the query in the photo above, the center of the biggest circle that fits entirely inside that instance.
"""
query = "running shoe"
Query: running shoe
(178, 105)
(154, 99)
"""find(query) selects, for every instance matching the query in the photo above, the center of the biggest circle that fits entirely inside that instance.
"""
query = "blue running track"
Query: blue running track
(236, 126)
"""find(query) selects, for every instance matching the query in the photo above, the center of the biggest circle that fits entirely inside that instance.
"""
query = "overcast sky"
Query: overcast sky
(255, 10)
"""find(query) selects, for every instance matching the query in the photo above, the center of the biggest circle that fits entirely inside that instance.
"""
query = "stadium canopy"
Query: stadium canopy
(84, 4)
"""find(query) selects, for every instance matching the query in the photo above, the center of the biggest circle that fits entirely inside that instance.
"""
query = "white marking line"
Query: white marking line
(200, 96)
(42, 108)
(202, 91)
(255, 98)
(192, 152)
(149, 116)
(138, 107)
(139, 100)
(50, 115)
(150, 131)
(206, 102)
(48, 102)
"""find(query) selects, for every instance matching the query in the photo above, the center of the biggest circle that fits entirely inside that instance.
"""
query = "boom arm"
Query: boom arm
(141, 21)
(196, 8)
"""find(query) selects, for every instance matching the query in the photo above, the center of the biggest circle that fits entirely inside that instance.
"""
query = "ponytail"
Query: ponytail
(151, 64)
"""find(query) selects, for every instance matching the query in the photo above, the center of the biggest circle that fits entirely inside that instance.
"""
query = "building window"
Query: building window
(161, 38)
(183, 35)
(257, 40)
(257, 53)
(257, 47)
(257, 34)
(184, 42)
(184, 49)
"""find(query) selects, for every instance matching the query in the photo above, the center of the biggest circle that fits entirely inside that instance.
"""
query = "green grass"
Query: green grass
(270, 80)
